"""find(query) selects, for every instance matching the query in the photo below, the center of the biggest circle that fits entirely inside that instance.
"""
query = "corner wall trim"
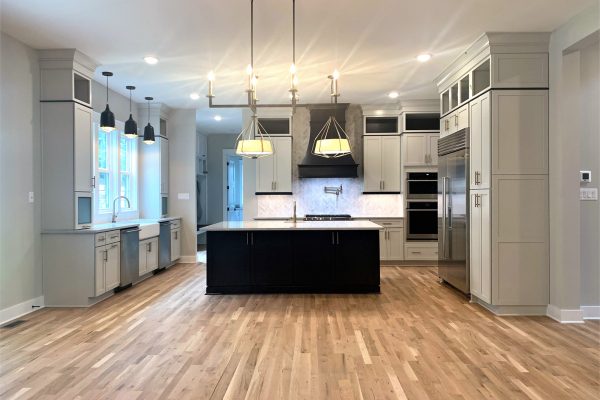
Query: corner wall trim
(565, 316)
(187, 260)
(590, 312)
(18, 310)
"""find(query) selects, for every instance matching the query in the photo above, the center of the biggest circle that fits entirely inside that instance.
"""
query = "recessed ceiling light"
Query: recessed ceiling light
(424, 57)
(218, 117)
(393, 95)
(151, 60)
(194, 96)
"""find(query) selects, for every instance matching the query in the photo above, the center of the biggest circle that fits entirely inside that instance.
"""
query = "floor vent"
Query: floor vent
(13, 324)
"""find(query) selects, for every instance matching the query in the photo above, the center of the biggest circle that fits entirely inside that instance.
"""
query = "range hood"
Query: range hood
(319, 167)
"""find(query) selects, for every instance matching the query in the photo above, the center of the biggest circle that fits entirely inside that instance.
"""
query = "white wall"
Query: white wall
(20, 173)
(182, 177)
(565, 143)
(216, 145)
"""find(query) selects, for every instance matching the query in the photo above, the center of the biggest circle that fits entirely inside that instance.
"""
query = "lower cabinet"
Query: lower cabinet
(391, 239)
(107, 267)
(421, 251)
(148, 255)
(300, 261)
(175, 244)
(480, 262)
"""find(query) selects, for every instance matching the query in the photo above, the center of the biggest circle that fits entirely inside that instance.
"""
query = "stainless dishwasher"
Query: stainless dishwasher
(130, 257)
(164, 245)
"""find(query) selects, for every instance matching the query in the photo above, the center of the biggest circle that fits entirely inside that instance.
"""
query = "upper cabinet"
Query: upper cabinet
(276, 126)
(421, 122)
(419, 149)
(381, 125)
(274, 173)
(381, 164)
(455, 121)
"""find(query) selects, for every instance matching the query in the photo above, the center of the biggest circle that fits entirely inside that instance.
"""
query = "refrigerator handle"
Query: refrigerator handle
(444, 216)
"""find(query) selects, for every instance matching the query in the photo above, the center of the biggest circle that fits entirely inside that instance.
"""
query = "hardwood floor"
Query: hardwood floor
(165, 339)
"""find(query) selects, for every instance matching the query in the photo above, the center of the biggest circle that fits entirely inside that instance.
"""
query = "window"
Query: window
(116, 171)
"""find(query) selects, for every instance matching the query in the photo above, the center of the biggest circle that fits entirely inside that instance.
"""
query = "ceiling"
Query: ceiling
(373, 44)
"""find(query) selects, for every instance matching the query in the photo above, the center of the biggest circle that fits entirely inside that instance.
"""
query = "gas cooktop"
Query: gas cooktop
(327, 217)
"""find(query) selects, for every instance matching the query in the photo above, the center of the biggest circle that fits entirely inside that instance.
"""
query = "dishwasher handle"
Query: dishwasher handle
(131, 230)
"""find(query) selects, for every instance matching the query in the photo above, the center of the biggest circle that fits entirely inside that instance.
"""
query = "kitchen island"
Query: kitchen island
(288, 257)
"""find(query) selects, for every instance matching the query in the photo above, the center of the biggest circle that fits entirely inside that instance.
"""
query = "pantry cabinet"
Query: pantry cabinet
(274, 173)
(381, 164)
(480, 244)
(420, 149)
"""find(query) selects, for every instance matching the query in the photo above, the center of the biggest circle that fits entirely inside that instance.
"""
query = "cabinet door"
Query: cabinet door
(390, 163)
(271, 261)
(164, 165)
(357, 258)
(415, 149)
(480, 245)
(283, 164)
(313, 257)
(83, 149)
(228, 258)
(462, 118)
(152, 255)
(372, 160)
(265, 174)
(395, 243)
(445, 126)
(480, 139)
(112, 269)
(143, 250)
(432, 148)
(175, 244)
(100, 282)
(383, 245)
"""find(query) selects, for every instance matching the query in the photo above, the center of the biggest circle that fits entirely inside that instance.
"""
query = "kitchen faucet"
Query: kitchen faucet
(114, 214)
(294, 219)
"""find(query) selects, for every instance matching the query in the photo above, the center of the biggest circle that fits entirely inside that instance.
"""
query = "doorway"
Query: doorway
(233, 191)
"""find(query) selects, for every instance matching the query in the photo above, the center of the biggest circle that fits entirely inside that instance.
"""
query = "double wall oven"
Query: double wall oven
(421, 206)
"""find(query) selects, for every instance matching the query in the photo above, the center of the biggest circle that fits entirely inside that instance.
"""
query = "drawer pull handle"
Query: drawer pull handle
(101, 239)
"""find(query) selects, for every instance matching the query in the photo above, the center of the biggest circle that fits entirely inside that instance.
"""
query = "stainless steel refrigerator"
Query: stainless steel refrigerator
(453, 210)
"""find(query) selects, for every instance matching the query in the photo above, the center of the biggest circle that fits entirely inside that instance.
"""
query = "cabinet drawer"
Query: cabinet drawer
(389, 223)
(113, 237)
(175, 224)
(100, 239)
(420, 252)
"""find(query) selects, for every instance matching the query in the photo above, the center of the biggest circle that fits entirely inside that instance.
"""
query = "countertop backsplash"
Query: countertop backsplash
(311, 199)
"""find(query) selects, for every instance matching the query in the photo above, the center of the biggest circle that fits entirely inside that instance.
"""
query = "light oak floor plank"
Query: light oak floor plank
(165, 339)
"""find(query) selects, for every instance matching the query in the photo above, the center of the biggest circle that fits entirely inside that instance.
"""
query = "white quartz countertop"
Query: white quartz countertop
(99, 228)
(288, 225)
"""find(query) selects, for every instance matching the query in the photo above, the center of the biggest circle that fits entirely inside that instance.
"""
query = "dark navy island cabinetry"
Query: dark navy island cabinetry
(282, 257)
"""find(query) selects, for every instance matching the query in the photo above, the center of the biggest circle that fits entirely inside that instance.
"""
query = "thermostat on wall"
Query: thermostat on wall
(586, 176)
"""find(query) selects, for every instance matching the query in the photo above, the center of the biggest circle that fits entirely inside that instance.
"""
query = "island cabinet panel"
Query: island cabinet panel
(301, 261)
(355, 252)
(313, 257)
(271, 258)
(228, 259)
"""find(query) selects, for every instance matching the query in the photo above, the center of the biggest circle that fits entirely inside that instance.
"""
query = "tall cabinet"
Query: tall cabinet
(66, 130)
(501, 83)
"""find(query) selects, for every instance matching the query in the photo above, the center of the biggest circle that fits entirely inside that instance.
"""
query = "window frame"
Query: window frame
(115, 173)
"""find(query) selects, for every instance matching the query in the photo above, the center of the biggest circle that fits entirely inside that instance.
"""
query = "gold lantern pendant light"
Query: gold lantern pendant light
(332, 141)
(253, 141)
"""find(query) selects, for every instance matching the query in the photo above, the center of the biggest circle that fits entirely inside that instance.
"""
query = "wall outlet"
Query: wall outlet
(588, 194)
(30, 198)
(183, 196)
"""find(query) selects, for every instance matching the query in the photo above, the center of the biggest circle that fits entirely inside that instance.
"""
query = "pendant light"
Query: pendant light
(293, 78)
(332, 141)
(149, 129)
(253, 141)
(107, 118)
(130, 125)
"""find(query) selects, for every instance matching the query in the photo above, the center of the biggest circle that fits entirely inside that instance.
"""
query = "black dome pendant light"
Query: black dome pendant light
(149, 129)
(107, 118)
(130, 124)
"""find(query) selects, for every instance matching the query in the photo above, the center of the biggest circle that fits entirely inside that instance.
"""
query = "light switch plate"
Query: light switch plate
(183, 196)
(589, 194)
(30, 197)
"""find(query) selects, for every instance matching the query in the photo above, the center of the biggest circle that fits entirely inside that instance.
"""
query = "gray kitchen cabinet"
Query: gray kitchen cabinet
(480, 261)
(382, 164)
(107, 263)
(420, 149)
(83, 153)
(274, 173)
(391, 239)
(480, 142)
(148, 255)
(163, 143)
(175, 244)
(455, 121)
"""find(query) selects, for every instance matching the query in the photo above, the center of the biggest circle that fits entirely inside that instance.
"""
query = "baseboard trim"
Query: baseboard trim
(187, 260)
(590, 312)
(565, 316)
(508, 311)
(18, 310)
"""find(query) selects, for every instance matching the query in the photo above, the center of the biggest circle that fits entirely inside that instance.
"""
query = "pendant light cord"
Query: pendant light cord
(129, 101)
(252, 34)
(294, 32)
(106, 89)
